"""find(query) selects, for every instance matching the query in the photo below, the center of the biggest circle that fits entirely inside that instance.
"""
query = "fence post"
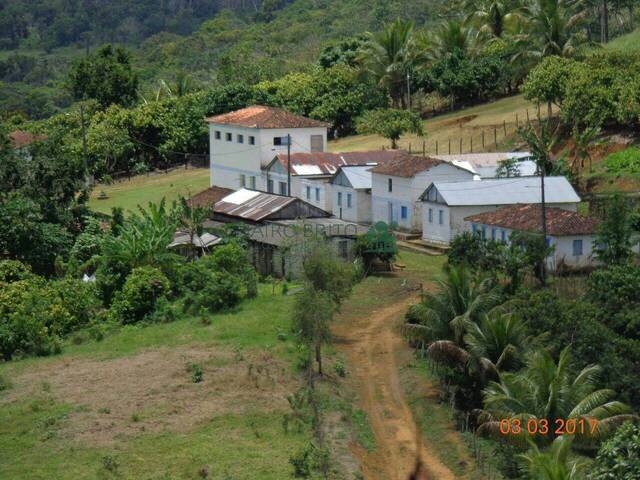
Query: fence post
(436, 147)
(517, 125)
(449, 146)
(495, 137)
(424, 148)
(504, 124)
(483, 139)
(460, 145)
(471, 143)
(527, 115)
(409, 147)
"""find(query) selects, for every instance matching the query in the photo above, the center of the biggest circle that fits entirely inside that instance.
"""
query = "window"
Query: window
(308, 192)
(339, 199)
(240, 138)
(228, 136)
(279, 141)
(484, 231)
(577, 248)
(283, 188)
(440, 217)
(493, 234)
(217, 134)
(474, 228)
(548, 242)
(404, 212)
(431, 215)
(317, 194)
(348, 200)
(243, 180)
(253, 183)
(503, 235)
(317, 143)
(252, 140)
(390, 185)
(270, 186)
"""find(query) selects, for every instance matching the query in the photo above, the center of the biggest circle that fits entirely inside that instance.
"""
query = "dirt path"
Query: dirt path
(374, 349)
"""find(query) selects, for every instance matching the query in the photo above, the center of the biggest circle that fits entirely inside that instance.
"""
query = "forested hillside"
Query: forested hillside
(212, 41)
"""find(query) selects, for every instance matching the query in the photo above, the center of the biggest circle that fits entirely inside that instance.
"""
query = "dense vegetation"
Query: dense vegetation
(510, 348)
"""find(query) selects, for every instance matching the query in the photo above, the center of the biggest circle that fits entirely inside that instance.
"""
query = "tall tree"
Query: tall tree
(553, 27)
(388, 57)
(107, 77)
(494, 18)
(449, 38)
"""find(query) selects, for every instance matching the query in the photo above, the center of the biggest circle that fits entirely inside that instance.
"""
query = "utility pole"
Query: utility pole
(543, 266)
(408, 91)
(288, 165)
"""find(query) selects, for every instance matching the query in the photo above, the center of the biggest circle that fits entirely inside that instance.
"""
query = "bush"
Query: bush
(619, 457)
(143, 288)
(615, 287)
(221, 291)
(35, 314)
(626, 161)
(13, 270)
(474, 251)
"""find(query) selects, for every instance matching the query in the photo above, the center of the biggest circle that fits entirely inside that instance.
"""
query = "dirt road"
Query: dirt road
(375, 349)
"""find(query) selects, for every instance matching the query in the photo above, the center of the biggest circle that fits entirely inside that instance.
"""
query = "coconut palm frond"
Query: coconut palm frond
(447, 352)
(590, 402)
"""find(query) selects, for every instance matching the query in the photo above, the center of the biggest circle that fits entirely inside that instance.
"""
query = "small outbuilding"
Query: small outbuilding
(572, 235)
(351, 187)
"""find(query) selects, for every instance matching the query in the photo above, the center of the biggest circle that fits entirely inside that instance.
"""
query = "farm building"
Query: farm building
(485, 165)
(396, 187)
(251, 206)
(242, 142)
(572, 235)
(277, 248)
(446, 205)
(311, 173)
(351, 187)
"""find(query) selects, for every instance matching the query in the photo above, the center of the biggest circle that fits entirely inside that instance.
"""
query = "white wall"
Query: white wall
(231, 159)
(360, 209)
(454, 219)
(406, 192)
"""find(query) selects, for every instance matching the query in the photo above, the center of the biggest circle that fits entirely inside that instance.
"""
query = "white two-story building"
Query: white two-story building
(243, 142)
(396, 187)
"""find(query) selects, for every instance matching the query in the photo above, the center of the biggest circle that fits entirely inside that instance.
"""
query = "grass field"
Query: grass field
(628, 43)
(143, 189)
(127, 408)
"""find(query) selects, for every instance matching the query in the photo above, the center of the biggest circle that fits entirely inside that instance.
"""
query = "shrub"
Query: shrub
(143, 288)
(626, 161)
(619, 457)
(86, 246)
(196, 372)
(13, 270)
(615, 287)
(474, 251)
(222, 291)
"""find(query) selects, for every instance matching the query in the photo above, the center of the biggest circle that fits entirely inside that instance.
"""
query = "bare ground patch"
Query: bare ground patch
(152, 392)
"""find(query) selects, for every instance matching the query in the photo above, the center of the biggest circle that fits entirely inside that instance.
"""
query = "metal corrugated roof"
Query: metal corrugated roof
(359, 177)
(505, 191)
(252, 205)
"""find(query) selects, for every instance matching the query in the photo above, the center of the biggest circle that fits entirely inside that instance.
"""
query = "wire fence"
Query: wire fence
(186, 161)
(475, 138)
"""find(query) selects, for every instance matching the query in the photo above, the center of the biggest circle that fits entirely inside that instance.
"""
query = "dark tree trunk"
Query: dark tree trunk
(319, 358)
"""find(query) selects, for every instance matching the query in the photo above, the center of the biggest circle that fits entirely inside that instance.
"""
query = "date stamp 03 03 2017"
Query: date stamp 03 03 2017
(543, 426)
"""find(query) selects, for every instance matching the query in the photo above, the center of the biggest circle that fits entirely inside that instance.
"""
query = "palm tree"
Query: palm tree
(462, 296)
(584, 140)
(553, 463)
(493, 18)
(553, 27)
(191, 219)
(452, 36)
(388, 57)
(495, 343)
(548, 391)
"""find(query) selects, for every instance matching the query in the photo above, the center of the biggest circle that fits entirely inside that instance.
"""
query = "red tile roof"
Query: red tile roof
(407, 165)
(327, 163)
(259, 116)
(528, 218)
(208, 197)
(20, 138)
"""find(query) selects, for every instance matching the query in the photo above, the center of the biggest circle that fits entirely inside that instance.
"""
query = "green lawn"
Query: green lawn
(143, 189)
(628, 43)
(39, 432)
